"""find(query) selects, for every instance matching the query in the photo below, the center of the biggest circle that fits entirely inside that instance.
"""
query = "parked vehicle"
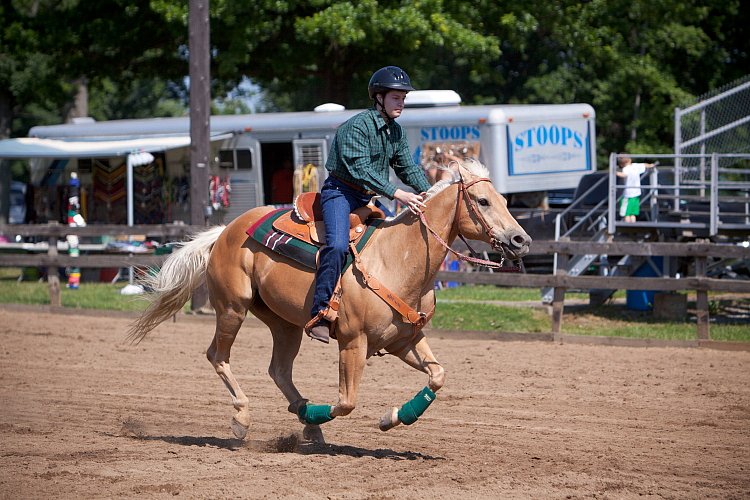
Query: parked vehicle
(528, 149)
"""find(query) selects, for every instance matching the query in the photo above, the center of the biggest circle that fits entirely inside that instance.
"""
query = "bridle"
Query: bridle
(463, 193)
(416, 318)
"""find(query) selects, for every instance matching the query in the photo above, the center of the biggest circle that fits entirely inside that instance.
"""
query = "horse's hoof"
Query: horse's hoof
(389, 420)
(239, 430)
(295, 406)
(313, 433)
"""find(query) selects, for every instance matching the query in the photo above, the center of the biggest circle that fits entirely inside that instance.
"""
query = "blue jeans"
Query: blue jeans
(337, 201)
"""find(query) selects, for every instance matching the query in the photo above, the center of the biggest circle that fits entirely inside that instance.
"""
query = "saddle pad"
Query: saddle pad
(300, 251)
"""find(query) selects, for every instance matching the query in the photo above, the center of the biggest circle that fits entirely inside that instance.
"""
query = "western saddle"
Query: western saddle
(306, 220)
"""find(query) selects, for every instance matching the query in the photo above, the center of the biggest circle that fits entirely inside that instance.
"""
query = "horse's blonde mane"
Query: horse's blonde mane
(474, 167)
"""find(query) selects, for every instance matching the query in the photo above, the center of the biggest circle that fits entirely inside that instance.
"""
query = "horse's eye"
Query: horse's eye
(483, 202)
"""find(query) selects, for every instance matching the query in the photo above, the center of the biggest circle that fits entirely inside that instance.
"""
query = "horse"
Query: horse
(244, 276)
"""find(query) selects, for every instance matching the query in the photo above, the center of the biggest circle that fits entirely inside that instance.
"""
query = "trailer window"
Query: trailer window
(244, 159)
(236, 159)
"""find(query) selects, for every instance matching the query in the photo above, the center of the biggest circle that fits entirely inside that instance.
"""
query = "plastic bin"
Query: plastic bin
(643, 300)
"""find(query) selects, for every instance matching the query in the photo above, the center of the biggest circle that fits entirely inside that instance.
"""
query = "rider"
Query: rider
(364, 148)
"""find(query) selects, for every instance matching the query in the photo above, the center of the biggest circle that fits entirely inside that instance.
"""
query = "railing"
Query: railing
(576, 220)
(573, 212)
(709, 203)
(561, 281)
(718, 123)
(670, 202)
(55, 233)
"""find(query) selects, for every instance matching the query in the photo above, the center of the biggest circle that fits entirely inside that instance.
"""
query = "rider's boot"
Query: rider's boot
(319, 329)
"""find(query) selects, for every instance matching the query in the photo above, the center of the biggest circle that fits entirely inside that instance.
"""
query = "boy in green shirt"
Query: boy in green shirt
(364, 150)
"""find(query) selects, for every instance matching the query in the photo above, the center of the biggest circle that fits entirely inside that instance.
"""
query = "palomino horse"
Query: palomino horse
(404, 254)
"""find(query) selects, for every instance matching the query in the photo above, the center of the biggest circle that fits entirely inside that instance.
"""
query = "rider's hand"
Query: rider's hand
(411, 200)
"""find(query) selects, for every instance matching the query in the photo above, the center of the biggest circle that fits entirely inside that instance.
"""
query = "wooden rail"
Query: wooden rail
(60, 231)
(53, 259)
(561, 282)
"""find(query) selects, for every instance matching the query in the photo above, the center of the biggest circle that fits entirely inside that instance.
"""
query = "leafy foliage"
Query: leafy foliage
(633, 60)
(49, 48)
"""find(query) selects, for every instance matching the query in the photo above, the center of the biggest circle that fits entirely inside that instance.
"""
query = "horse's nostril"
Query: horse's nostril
(519, 240)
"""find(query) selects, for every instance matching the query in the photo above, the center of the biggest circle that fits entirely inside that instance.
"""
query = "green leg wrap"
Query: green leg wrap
(411, 411)
(315, 414)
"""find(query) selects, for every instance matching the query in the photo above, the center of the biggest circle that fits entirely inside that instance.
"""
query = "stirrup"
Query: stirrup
(317, 329)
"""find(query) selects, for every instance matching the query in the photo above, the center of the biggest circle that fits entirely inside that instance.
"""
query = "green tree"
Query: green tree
(305, 53)
(139, 98)
(49, 48)
(633, 60)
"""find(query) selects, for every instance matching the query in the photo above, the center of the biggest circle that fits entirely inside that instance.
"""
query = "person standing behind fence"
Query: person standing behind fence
(631, 197)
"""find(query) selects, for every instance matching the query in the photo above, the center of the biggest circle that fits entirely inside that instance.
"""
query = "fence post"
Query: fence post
(558, 299)
(713, 220)
(53, 279)
(701, 302)
(612, 193)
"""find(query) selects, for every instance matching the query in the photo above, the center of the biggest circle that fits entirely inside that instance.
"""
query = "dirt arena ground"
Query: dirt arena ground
(85, 415)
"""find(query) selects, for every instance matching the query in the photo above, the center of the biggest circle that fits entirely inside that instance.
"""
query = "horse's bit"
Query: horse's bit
(464, 193)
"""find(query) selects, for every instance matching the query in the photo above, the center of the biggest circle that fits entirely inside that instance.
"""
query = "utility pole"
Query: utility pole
(200, 109)
(200, 125)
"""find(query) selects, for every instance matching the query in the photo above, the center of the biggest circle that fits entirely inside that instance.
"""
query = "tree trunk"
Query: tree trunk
(80, 106)
(6, 114)
(6, 118)
(337, 79)
(636, 110)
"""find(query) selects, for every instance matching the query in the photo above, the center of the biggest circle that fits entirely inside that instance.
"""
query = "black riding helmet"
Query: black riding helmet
(389, 78)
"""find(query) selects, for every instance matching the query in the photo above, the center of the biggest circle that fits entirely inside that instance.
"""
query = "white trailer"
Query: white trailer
(527, 148)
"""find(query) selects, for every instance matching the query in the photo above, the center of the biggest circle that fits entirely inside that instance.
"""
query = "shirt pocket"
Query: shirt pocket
(376, 157)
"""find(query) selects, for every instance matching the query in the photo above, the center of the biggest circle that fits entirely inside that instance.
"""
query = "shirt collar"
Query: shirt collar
(380, 122)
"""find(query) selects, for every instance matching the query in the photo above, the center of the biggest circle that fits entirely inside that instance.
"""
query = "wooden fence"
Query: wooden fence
(561, 282)
(699, 252)
(52, 259)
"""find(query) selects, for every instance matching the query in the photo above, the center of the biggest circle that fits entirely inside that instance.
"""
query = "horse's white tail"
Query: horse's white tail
(173, 285)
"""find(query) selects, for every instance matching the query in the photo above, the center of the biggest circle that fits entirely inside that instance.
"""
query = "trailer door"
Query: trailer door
(245, 177)
(310, 157)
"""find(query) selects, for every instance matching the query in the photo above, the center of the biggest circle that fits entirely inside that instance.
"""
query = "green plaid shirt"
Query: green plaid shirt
(365, 147)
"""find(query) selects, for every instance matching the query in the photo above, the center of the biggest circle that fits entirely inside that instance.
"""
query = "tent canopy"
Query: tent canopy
(32, 147)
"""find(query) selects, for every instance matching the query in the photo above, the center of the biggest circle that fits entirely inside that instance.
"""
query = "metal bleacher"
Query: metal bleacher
(701, 192)
(716, 208)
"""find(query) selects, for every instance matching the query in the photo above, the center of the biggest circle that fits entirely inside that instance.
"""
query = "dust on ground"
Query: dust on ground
(86, 415)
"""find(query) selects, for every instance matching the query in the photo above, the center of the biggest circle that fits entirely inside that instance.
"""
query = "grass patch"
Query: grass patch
(489, 317)
(615, 320)
(496, 293)
(480, 308)
(732, 333)
(476, 308)
(104, 296)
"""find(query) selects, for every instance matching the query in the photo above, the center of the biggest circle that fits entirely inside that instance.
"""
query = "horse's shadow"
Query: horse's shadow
(312, 448)
(231, 444)
(308, 442)
(293, 443)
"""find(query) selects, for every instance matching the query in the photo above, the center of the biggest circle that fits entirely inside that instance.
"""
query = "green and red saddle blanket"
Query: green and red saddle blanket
(294, 248)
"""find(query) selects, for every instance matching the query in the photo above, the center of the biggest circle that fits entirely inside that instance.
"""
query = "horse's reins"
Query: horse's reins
(463, 193)
(416, 318)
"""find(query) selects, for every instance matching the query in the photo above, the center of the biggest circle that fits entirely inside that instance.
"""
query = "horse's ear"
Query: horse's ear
(454, 167)
(475, 167)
